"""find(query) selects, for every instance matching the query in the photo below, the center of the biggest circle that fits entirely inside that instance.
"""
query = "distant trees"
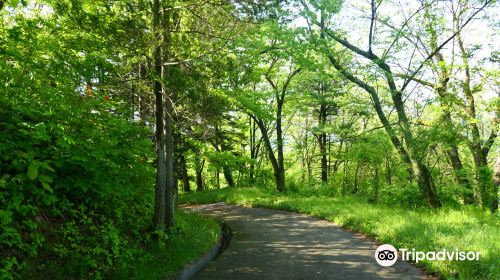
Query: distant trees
(239, 99)
(380, 52)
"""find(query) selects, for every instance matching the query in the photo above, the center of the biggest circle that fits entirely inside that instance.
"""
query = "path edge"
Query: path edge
(192, 268)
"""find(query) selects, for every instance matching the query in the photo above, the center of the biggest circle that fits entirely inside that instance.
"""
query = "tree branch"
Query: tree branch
(415, 72)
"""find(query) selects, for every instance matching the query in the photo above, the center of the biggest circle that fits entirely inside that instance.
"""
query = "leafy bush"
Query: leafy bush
(407, 196)
(71, 178)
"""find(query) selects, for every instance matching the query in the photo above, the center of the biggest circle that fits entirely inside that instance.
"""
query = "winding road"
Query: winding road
(273, 244)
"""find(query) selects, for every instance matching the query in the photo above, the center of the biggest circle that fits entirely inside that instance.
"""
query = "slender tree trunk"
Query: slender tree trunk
(228, 175)
(324, 161)
(169, 123)
(356, 178)
(337, 162)
(278, 163)
(251, 174)
(253, 145)
(161, 178)
(217, 177)
(304, 153)
(322, 140)
(199, 176)
(274, 162)
(303, 170)
(199, 166)
(254, 148)
(329, 157)
(280, 179)
(184, 173)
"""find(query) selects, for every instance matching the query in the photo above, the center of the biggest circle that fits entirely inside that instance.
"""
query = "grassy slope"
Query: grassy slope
(467, 229)
(196, 236)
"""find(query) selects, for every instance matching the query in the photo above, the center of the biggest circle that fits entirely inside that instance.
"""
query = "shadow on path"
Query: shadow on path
(273, 244)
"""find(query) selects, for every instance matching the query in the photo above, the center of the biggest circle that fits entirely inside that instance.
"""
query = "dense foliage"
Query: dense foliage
(77, 180)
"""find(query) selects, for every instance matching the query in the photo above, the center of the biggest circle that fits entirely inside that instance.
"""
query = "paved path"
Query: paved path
(272, 244)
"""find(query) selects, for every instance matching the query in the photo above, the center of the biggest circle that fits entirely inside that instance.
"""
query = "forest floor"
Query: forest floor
(274, 244)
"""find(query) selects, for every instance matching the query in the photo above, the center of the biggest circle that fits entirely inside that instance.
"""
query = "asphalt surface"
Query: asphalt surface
(273, 244)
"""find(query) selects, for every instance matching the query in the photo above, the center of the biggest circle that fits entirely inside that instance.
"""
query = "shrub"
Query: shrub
(70, 178)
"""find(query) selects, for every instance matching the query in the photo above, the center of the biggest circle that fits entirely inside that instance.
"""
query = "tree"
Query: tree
(279, 95)
(478, 148)
(160, 215)
(409, 150)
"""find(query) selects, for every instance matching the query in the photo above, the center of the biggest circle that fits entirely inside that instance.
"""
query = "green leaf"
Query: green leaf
(33, 170)
(5, 217)
(46, 165)
(13, 3)
(47, 186)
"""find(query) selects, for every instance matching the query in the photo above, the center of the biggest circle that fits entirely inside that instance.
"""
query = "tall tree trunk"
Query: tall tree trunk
(253, 145)
(280, 179)
(184, 173)
(274, 162)
(322, 138)
(217, 177)
(356, 178)
(199, 181)
(324, 160)
(161, 178)
(200, 164)
(169, 123)
(251, 175)
(329, 158)
(228, 175)
(278, 163)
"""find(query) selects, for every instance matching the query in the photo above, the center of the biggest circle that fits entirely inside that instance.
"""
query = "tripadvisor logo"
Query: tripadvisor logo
(387, 255)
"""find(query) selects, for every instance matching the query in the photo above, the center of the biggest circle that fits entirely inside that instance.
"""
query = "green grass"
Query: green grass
(195, 235)
(468, 229)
